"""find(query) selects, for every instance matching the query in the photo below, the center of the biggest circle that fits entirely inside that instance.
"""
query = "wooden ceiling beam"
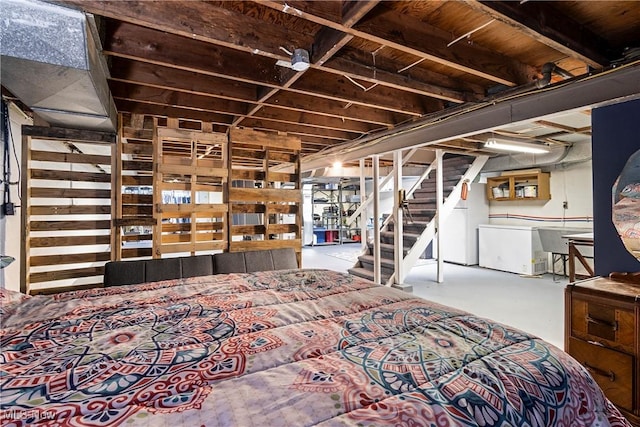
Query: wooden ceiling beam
(339, 88)
(163, 97)
(543, 22)
(567, 129)
(236, 31)
(358, 71)
(176, 112)
(418, 38)
(290, 116)
(340, 109)
(354, 11)
(298, 129)
(168, 50)
(143, 44)
(317, 141)
(154, 75)
(151, 95)
(452, 89)
(232, 30)
(327, 43)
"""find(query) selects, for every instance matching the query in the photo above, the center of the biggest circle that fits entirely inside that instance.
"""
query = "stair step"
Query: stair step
(425, 198)
(428, 192)
(416, 227)
(409, 238)
(421, 204)
(457, 161)
(418, 215)
(448, 176)
(366, 274)
(387, 266)
(385, 262)
(387, 250)
(448, 181)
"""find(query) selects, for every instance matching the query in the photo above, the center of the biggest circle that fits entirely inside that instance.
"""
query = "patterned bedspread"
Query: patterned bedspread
(280, 348)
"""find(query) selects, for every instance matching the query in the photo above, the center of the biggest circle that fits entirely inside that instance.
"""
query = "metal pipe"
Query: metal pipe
(547, 70)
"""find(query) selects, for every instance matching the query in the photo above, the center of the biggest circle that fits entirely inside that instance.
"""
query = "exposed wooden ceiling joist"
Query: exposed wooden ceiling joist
(541, 21)
(375, 66)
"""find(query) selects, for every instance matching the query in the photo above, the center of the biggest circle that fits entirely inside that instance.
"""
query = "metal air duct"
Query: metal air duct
(50, 60)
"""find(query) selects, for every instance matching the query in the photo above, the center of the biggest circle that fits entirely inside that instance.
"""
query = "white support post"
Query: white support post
(363, 213)
(439, 197)
(376, 220)
(398, 231)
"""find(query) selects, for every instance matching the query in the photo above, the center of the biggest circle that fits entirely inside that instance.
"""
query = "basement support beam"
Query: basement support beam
(609, 87)
(376, 219)
(398, 229)
(439, 196)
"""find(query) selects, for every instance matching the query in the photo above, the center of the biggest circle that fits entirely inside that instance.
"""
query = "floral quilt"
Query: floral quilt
(280, 348)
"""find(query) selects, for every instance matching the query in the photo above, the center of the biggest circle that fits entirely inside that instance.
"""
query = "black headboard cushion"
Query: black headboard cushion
(199, 265)
(229, 262)
(118, 273)
(258, 261)
(284, 259)
(162, 269)
(141, 271)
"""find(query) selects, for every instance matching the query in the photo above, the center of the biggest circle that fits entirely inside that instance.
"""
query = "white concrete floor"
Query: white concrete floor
(534, 305)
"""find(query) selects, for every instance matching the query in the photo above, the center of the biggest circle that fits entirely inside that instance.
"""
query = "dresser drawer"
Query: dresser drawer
(612, 370)
(594, 321)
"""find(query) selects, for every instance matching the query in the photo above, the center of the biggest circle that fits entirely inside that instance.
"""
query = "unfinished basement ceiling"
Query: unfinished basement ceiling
(374, 65)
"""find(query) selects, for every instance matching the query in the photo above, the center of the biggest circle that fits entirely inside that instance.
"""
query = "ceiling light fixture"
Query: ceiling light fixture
(515, 146)
(300, 60)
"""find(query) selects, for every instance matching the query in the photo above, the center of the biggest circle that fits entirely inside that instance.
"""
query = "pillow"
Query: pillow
(9, 300)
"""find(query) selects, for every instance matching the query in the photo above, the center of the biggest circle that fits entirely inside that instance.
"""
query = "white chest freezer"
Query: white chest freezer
(516, 249)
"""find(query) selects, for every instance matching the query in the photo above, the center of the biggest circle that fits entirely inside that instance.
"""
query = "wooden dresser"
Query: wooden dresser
(602, 331)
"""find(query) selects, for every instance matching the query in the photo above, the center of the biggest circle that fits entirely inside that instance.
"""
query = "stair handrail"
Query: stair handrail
(449, 204)
(412, 190)
(418, 183)
(369, 200)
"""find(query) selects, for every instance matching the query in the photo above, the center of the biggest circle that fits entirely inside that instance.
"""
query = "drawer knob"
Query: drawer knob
(596, 321)
(611, 375)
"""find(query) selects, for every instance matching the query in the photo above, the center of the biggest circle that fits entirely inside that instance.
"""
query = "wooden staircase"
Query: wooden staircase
(418, 215)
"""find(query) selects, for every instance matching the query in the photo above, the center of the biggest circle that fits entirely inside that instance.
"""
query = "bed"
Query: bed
(279, 348)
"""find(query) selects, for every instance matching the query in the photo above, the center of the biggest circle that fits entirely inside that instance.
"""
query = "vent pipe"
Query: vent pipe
(547, 70)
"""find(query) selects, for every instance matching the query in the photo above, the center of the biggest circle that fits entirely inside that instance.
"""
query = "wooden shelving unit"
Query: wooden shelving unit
(524, 186)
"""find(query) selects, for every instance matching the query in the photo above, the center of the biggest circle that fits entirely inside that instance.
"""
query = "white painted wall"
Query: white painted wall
(10, 226)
